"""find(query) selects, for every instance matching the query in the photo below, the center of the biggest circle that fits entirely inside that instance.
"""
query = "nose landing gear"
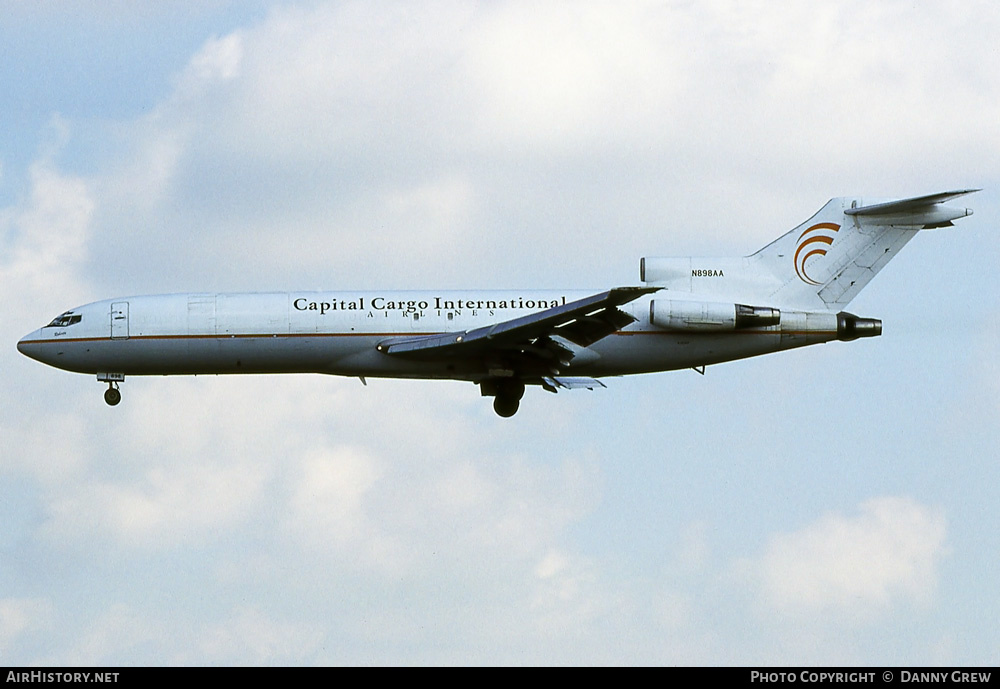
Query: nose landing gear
(112, 395)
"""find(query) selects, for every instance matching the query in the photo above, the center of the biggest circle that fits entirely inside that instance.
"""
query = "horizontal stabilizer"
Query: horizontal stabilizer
(921, 211)
(909, 205)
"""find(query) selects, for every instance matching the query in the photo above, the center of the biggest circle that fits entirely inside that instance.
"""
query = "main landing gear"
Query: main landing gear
(507, 395)
(112, 395)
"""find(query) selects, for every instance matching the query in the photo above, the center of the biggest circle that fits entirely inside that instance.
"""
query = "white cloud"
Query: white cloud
(856, 566)
(114, 632)
(332, 510)
(568, 75)
(46, 242)
(248, 633)
(164, 508)
(567, 595)
(45, 247)
(22, 616)
(370, 500)
(219, 59)
(338, 144)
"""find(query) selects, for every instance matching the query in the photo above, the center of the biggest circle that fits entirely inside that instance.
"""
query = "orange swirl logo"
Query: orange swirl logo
(813, 242)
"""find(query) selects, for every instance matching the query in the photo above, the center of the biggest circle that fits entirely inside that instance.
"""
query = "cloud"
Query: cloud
(114, 632)
(359, 497)
(45, 246)
(470, 144)
(218, 60)
(46, 240)
(855, 566)
(567, 595)
(166, 507)
(20, 617)
(250, 633)
(566, 77)
(330, 507)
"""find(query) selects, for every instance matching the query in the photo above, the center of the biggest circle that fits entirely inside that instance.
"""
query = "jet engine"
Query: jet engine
(710, 316)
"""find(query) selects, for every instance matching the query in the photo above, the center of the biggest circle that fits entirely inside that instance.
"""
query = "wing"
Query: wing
(532, 344)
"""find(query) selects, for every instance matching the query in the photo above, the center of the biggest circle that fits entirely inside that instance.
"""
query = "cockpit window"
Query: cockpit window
(65, 320)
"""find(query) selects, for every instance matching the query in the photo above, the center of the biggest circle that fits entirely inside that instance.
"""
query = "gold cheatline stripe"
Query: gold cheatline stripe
(411, 334)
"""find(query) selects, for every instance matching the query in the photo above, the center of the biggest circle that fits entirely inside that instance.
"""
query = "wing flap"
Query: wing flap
(554, 383)
(587, 330)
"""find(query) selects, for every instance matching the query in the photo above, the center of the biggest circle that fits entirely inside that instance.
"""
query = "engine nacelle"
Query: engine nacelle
(707, 316)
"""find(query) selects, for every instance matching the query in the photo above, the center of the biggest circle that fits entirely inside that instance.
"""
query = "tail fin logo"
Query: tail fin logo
(813, 242)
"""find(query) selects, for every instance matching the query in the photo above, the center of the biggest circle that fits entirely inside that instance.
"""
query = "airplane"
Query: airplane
(687, 313)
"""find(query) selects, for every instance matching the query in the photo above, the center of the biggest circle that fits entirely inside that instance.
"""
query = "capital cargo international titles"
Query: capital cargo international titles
(436, 303)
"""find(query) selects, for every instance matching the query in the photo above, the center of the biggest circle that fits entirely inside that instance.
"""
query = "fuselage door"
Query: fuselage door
(119, 320)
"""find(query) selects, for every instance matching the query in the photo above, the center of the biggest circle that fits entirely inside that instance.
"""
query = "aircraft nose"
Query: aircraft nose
(26, 345)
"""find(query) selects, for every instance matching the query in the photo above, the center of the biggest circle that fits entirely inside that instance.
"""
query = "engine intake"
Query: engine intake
(710, 316)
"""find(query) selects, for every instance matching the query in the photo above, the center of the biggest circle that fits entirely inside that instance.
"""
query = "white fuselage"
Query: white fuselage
(337, 333)
(688, 313)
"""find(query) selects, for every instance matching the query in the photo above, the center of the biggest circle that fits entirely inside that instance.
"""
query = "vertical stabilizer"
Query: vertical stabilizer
(824, 262)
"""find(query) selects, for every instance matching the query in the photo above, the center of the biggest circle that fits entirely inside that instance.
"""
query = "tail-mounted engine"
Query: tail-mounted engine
(710, 316)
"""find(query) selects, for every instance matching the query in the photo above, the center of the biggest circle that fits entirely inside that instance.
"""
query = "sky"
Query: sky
(833, 505)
